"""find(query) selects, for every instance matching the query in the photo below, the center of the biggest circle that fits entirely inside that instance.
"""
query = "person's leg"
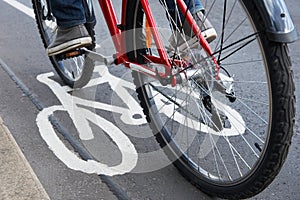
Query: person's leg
(71, 33)
(68, 12)
(194, 5)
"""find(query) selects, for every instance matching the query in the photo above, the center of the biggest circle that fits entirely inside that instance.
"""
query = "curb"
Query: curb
(18, 180)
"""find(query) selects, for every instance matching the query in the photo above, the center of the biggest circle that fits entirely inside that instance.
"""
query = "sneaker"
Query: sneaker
(190, 41)
(207, 30)
(69, 39)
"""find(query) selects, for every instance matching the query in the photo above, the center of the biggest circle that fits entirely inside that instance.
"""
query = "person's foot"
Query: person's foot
(189, 40)
(68, 39)
(207, 30)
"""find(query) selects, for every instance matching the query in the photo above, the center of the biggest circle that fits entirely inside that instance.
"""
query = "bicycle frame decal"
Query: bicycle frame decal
(81, 117)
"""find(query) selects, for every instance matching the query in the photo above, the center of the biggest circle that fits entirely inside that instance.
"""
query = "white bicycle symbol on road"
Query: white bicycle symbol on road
(75, 107)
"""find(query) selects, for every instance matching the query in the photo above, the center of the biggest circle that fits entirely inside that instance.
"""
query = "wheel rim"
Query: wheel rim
(228, 154)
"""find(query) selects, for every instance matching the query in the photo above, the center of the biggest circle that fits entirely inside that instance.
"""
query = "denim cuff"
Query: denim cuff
(195, 9)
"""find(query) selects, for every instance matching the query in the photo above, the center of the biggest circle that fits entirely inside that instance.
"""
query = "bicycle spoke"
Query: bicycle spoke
(236, 50)
(219, 122)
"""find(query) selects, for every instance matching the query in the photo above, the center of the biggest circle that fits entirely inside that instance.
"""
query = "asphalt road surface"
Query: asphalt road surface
(153, 177)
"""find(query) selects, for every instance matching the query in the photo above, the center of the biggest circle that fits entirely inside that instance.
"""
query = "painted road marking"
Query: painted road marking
(21, 7)
(82, 117)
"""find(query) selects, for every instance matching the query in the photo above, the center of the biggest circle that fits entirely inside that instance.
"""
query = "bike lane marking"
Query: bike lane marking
(113, 187)
(81, 118)
(76, 108)
(127, 148)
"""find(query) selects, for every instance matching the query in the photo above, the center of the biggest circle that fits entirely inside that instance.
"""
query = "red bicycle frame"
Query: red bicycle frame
(119, 39)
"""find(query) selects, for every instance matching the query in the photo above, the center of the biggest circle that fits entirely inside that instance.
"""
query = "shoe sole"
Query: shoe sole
(209, 34)
(73, 44)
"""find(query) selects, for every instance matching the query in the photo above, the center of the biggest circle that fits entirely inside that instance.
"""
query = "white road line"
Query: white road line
(21, 7)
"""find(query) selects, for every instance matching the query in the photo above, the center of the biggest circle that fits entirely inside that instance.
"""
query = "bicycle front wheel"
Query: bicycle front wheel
(228, 136)
(75, 72)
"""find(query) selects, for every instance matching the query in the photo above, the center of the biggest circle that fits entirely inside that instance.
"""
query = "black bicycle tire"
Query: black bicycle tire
(281, 76)
(88, 65)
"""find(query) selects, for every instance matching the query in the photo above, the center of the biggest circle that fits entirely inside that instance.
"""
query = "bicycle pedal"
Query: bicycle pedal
(71, 54)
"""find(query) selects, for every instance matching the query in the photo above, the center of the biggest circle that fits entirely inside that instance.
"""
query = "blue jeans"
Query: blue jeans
(71, 12)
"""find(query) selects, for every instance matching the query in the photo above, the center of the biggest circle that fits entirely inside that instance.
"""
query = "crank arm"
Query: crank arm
(107, 60)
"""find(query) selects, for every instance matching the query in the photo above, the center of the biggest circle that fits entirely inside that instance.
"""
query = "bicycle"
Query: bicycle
(223, 112)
